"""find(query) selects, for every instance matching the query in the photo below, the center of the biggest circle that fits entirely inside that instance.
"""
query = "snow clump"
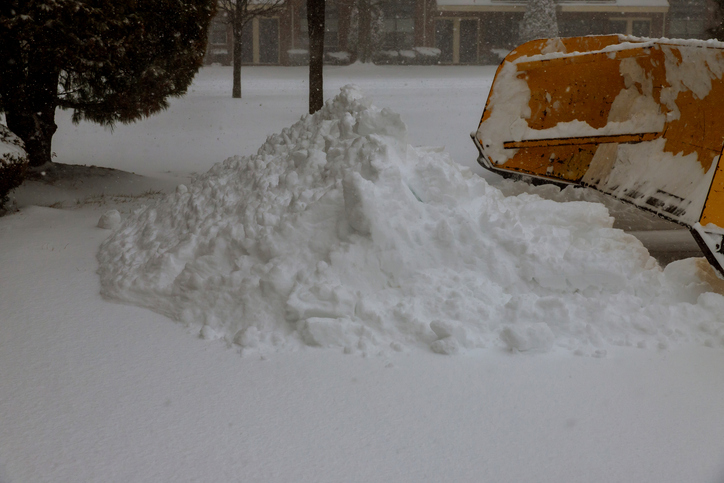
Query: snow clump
(110, 220)
(338, 233)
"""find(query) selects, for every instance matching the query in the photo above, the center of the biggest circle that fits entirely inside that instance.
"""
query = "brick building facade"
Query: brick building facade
(449, 31)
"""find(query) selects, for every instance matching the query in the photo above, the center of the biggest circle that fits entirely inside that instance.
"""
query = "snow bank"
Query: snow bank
(337, 233)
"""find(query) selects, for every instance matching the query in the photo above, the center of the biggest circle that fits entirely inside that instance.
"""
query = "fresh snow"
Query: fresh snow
(208, 126)
(99, 391)
(338, 233)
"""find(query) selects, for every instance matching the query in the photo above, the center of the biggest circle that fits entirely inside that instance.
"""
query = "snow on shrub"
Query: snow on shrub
(338, 233)
(428, 51)
(298, 56)
(386, 57)
(416, 56)
(427, 55)
(340, 58)
(13, 163)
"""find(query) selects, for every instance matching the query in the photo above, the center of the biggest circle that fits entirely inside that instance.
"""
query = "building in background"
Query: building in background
(690, 19)
(448, 31)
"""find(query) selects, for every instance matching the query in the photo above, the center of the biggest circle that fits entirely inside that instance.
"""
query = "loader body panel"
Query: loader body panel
(639, 119)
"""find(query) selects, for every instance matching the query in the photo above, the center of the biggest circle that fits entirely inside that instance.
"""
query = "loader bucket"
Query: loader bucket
(639, 119)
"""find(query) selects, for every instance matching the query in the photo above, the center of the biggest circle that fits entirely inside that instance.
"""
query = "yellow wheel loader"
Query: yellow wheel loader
(639, 119)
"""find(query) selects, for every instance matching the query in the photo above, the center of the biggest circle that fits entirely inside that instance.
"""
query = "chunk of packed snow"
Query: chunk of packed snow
(536, 336)
(338, 233)
(110, 220)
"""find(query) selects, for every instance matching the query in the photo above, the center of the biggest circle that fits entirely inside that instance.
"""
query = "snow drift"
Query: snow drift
(338, 233)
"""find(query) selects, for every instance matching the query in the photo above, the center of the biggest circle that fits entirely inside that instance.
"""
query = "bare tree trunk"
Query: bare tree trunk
(364, 48)
(237, 28)
(240, 14)
(32, 118)
(36, 129)
(315, 21)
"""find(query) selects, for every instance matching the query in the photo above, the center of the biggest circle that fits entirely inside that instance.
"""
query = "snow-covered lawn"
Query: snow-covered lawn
(441, 106)
(92, 390)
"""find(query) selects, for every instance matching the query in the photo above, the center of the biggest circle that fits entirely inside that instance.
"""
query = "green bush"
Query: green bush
(13, 163)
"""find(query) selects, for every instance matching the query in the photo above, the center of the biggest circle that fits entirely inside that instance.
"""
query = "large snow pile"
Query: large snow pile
(337, 233)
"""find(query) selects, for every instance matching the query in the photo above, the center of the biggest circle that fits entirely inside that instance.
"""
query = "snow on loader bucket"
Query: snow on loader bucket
(639, 119)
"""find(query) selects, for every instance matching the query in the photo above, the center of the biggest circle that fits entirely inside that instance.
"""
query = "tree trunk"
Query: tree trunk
(237, 29)
(31, 114)
(364, 53)
(36, 129)
(315, 21)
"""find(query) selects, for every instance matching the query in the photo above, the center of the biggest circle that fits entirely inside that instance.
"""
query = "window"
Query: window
(686, 27)
(399, 21)
(444, 39)
(457, 40)
(580, 27)
(301, 18)
(641, 28)
(247, 43)
(468, 41)
(268, 41)
(500, 31)
(638, 27)
(260, 41)
(618, 27)
(218, 34)
(331, 27)
(688, 19)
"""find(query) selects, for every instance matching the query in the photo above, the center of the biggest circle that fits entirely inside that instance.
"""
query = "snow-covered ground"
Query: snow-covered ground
(441, 107)
(92, 390)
